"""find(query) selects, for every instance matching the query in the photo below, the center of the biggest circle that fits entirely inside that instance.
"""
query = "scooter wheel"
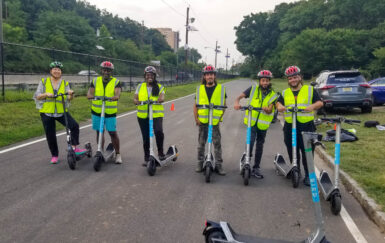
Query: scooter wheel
(246, 176)
(71, 159)
(207, 174)
(97, 163)
(335, 204)
(89, 150)
(215, 236)
(151, 167)
(295, 177)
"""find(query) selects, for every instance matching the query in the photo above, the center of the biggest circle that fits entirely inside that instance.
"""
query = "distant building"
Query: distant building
(171, 37)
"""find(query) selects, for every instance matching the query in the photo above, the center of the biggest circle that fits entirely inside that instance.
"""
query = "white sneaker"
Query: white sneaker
(118, 159)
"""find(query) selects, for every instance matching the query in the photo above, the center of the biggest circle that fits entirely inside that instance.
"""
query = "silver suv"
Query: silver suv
(344, 89)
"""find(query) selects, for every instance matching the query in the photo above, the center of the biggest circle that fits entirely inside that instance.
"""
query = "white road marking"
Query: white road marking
(86, 126)
(349, 222)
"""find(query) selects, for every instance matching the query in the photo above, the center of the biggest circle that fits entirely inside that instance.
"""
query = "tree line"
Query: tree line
(71, 25)
(316, 35)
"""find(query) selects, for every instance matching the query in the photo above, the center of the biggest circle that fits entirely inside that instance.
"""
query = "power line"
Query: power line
(176, 11)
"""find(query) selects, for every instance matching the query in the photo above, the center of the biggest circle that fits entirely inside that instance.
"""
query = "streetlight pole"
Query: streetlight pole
(186, 46)
(2, 49)
(216, 52)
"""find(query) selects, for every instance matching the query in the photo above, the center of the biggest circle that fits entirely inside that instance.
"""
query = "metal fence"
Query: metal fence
(22, 67)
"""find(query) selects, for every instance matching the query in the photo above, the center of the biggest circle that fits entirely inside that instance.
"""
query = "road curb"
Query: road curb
(368, 204)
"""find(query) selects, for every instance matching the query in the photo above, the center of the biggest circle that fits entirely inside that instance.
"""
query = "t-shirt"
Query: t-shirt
(104, 85)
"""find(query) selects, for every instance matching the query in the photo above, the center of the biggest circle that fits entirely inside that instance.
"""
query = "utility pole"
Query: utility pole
(186, 46)
(216, 52)
(227, 57)
(142, 34)
(2, 49)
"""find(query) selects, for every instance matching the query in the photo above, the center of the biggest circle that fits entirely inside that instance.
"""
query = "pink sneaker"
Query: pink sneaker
(80, 151)
(54, 160)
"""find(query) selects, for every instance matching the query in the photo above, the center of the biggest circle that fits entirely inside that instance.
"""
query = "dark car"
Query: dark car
(378, 87)
(345, 89)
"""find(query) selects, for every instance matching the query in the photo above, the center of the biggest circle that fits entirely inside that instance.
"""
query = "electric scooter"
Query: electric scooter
(209, 163)
(281, 166)
(109, 154)
(244, 163)
(72, 157)
(222, 231)
(172, 152)
(330, 190)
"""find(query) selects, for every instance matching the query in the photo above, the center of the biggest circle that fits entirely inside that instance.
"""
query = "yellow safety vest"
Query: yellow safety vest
(218, 98)
(111, 107)
(50, 104)
(304, 99)
(157, 110)
(256, 101)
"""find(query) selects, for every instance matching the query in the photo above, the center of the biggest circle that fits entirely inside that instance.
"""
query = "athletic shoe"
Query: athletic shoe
(79, 151)
(306, 181)
(54, 160)
(118, 159)
(219, 170)
(257, 173)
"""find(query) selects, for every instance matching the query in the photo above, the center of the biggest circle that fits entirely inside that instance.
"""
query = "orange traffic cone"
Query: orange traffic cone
(172, 107)
(335, 126)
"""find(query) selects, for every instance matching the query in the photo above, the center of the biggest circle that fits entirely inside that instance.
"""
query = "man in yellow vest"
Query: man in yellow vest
(51, 109)
(108, 86)
(209, 92)
(304, 97)
(150, 89)
(260, 96)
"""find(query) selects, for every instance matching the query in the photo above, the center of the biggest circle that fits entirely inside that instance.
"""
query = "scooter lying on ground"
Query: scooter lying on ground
(282, 167)
(329, 189)
(244, 163)
(72, 157)
(109, 154)
(222, 232)
(209, 162)
(172, 152)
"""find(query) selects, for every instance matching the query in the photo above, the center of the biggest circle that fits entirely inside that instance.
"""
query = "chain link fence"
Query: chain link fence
(23, 66)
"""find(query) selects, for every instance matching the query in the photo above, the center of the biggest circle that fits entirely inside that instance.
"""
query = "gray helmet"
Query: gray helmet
(150, 69)
(56, 64)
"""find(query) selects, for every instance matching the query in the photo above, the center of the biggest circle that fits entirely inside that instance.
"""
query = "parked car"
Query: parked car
(184, 76)
(378, 87)
(85, 72)
(347, 88)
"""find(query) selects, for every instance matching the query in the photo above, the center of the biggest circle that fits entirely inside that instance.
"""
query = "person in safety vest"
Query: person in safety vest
(209, 92)
(304, 97)
(108, 86)
(51, 109)
(260, 96)
(150, 89)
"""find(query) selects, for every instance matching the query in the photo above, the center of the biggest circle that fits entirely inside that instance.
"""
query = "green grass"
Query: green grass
(20, 119)
(363, 159)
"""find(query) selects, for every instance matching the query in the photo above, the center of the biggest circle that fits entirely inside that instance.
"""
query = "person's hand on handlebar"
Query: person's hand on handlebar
(70, 92)
(114, 98)
(310, 108)
(49, 95)
(160, 100)
(237, 106)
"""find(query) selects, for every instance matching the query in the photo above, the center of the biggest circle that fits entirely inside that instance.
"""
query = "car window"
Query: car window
(380, 82)
(342, 78)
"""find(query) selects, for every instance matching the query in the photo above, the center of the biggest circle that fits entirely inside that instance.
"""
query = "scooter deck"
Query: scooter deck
(281, 165)
(109, 152)
(326, 184)
(172, 154)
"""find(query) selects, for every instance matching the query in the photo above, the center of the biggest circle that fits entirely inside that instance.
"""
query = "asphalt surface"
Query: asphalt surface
(40, 202)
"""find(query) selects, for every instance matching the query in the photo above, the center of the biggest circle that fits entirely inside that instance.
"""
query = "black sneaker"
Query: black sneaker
(162, 157)
(219, 170)
(306, 181)
(257, 173)
(146, 159)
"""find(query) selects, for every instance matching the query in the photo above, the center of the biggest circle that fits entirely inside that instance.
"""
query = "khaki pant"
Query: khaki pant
(216, 140)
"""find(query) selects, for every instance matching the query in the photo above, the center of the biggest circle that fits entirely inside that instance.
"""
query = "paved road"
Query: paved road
(40, 202)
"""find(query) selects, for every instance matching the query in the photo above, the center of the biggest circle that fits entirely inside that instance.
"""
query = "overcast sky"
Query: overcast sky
(215, 20)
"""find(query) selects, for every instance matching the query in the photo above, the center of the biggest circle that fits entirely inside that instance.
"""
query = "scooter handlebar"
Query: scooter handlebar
(294, 109)
(148, 102)
(243, 108)
(102, 98)
(59, 95)
(211, 106)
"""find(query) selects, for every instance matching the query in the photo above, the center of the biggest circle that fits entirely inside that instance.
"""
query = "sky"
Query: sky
(214, 19)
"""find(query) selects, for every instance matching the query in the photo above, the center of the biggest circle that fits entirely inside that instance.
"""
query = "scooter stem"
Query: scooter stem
(294, 138)
(248, 138)
(210, 133)
(101, 126)
(151, 128)
(337, 153)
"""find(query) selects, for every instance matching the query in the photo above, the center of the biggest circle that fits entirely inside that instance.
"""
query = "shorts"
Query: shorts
(109, 123)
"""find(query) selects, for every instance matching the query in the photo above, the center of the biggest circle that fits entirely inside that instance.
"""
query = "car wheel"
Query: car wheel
(366, 109)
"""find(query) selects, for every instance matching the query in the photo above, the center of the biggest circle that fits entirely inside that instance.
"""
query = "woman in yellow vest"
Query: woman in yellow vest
(51, 109)
(304, 97)
(260, 96)
(108, 86)
(150, 89)
(209, 92)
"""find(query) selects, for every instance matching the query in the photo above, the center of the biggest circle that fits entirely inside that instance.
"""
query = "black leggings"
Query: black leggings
(49, 125)
(158, 131)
